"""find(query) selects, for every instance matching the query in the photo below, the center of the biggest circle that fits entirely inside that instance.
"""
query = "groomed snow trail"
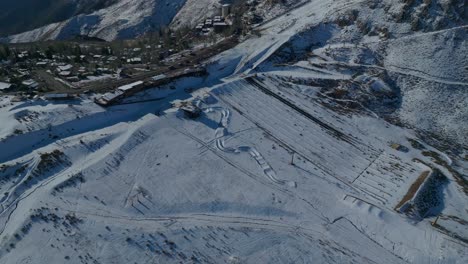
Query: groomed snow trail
(222, 131)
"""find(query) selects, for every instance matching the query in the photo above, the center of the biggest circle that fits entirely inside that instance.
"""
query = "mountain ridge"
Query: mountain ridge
(22, 15)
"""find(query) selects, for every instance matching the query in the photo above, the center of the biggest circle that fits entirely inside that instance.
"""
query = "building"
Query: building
(200, 26)
(41, 64)
(134, 60)
(158, 77)
(23, 54)
(208, 22)
(125, 90)
(153, 82)
(5, 86)
(225, 10)
(109, 98)
(129, 87)
(64, 67)
(31, 84)
(190, 110)
(220, 26)
(104, 70)
(65, 73)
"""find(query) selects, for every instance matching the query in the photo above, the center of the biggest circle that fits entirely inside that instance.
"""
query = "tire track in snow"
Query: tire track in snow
(253, 176)
(294, 149)
(32, 164)
(267, 169)
(276, 225)
(220, 134)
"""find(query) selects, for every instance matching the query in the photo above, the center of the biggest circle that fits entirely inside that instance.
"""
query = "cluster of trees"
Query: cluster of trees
(49, 49)
(177, 39)
(5, 52)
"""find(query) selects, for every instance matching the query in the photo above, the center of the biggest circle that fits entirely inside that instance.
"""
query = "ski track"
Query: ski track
(222, 131)
(59, 177)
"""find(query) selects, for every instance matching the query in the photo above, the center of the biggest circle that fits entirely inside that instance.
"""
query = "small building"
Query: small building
(113, 97)
(127, 88)
(251, 18)
(225, 10)
(134, 60)
(41, 64)
(5, 86)
(31, 84)
(158, 77)
(65, 67)
(104, 70)
(65, 73)
(220, 26)
(109, 98)
(191, 111)
(23, 54)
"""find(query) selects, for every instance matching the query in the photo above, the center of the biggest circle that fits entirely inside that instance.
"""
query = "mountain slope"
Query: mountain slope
(22, 15)
(194, 11)
(125, 19)
(129, 19)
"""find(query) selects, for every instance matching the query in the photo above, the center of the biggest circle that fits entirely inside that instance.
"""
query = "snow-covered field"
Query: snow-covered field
(302, 154)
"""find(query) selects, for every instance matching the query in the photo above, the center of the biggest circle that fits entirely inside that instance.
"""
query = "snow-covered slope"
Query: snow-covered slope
(23, 15)
(125, 19)
(194, 11)
(425, 70)
(299, 156)
(128, 19)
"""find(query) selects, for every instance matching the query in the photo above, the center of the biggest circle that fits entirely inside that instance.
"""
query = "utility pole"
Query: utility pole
(292, 158)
